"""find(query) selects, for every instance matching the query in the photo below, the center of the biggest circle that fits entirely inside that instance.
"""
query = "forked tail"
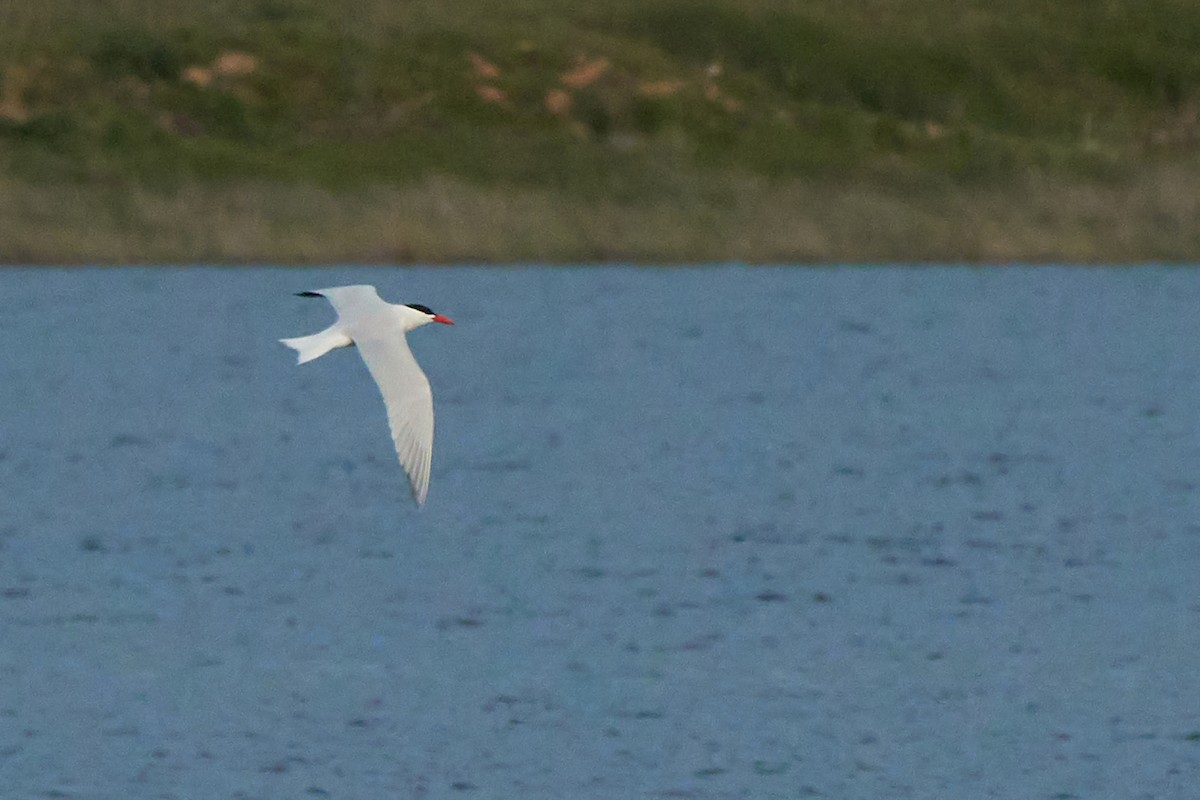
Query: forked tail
(317, 345)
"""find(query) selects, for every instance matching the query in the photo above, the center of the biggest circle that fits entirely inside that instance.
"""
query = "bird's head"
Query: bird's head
(425, 316)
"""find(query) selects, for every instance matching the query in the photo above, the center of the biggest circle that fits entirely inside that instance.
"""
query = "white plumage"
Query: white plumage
(378, 328)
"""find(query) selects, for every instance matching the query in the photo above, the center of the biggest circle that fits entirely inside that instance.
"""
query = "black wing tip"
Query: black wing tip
(309, 294)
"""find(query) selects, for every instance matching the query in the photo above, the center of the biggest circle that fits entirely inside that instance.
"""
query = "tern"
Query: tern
(377, 328)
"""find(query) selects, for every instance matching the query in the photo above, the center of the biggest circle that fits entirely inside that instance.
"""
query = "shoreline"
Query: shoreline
(649, 133)
(444, 221)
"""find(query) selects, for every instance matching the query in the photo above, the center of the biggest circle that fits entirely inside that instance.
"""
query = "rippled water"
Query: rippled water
(701, 533)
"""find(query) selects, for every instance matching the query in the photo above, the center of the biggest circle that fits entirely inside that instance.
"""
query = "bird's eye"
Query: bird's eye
(421, 308)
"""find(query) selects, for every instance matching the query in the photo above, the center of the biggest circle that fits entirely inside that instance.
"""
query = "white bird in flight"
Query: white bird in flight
(377, 328)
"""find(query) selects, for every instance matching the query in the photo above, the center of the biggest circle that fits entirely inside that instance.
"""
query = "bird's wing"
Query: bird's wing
(351, 302)
(408, 399)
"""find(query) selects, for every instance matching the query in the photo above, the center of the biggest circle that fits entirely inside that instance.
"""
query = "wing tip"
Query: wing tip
(418, 481)
(309, 294)
(418, 492)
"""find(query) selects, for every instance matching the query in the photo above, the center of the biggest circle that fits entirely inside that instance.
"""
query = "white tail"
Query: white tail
(317, 345)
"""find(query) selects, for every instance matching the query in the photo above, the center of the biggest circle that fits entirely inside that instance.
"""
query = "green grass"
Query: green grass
(941, 105)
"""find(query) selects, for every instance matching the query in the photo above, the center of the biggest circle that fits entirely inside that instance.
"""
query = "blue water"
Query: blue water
(697, 533)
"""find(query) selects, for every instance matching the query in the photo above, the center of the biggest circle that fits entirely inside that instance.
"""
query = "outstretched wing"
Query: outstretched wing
(350, 302)
(408, 399)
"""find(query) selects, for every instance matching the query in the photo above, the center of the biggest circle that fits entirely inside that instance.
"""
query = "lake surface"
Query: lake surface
(692, 533)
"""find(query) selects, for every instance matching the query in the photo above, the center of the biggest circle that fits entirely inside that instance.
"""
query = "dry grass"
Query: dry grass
(448, 221)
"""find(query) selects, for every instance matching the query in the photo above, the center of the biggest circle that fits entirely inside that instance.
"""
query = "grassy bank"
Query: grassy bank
(284, 130)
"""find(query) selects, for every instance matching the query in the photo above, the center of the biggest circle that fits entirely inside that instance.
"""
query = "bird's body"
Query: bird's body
(378, 329)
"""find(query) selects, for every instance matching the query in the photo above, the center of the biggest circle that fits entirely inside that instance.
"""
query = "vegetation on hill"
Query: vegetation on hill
(542, 129)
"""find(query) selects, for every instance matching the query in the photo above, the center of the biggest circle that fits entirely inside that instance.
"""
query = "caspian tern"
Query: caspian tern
(377, 328)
